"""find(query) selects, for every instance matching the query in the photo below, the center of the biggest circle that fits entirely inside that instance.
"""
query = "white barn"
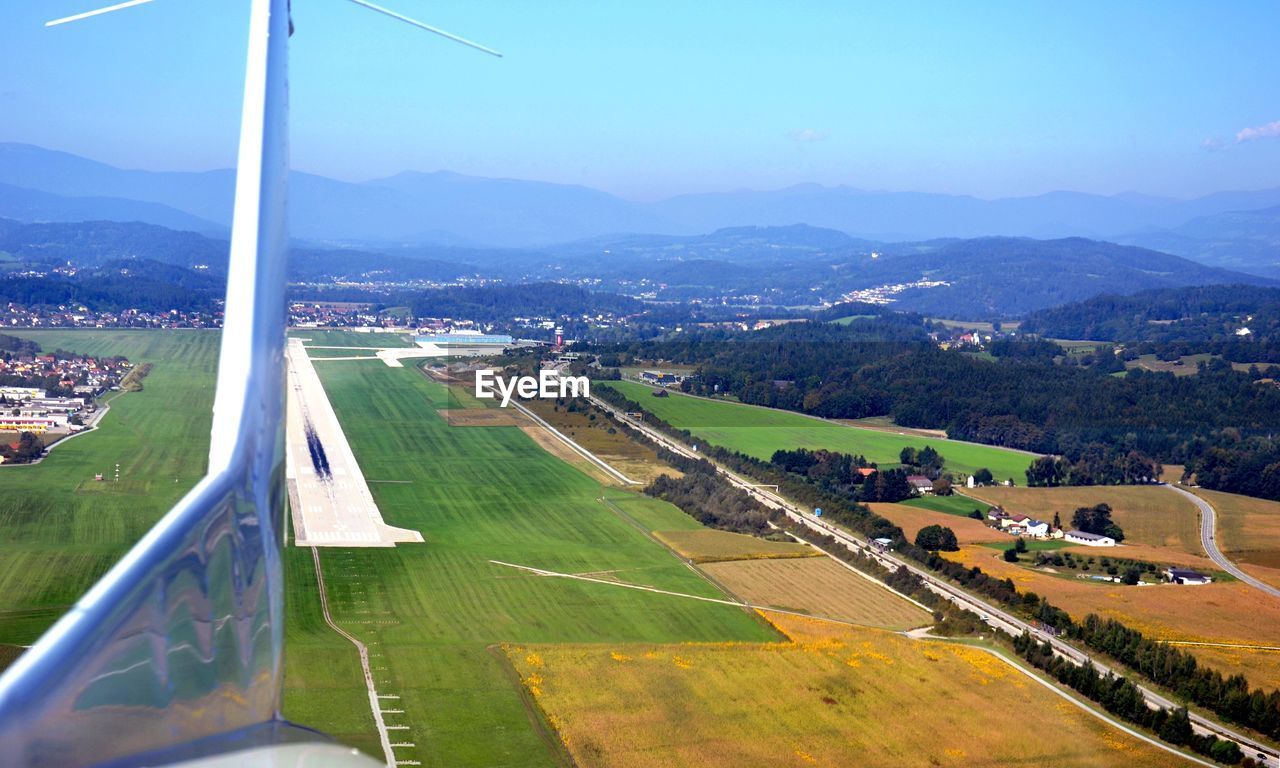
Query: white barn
(1089, 539)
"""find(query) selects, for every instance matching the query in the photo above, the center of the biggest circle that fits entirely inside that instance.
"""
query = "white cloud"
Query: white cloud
(1212, 144)
(1269, 131)
(808, 135)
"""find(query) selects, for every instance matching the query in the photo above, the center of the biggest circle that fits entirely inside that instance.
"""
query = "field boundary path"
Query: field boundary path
(588, 455)
(1209, 540)
(375, 703)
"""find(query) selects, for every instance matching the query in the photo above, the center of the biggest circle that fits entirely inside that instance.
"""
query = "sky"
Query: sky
(652, 99)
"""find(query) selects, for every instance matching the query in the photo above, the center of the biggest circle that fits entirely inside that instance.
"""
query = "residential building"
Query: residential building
(1185, 576)
(1036, 528)
(920, 483)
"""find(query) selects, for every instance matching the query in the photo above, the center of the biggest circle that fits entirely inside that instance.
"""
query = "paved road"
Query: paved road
(994, 617)
(1209, 539)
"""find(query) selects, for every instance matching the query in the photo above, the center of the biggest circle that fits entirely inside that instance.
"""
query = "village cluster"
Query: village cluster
(45, 394)
(79, 316)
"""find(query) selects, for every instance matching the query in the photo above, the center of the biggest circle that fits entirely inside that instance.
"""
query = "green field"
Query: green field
(952, 505)
(62, 529)
(761, 431)
(1033, 545)
(340, 338)
(431, 612)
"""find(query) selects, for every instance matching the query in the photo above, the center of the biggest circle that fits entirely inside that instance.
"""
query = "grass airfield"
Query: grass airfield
(761, 431)
(62, 529)
(430, 612)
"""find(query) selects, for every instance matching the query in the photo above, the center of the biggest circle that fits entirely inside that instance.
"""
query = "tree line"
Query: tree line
(1121, 697)
(1107, 429)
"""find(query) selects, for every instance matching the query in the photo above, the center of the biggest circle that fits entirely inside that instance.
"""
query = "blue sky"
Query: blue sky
(648, 99)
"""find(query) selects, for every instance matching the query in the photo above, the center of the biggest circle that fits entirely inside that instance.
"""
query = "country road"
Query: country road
(1209, 539)
(994, 617)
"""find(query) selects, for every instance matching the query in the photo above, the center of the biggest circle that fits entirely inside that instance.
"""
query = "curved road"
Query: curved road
(1208, 538)
(993, 616)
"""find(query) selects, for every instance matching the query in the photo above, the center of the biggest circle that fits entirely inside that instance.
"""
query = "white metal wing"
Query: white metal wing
(176, 653)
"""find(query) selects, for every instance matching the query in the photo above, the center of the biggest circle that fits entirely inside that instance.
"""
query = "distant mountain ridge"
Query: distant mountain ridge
(451, 208)
(796, 266)
(1245, 240)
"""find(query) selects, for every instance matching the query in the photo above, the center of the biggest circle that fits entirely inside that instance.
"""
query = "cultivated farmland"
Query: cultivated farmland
(835, 696)
(430, 612)
(1222, 612)
(1149, 514)
(1261, 667)
(819, 587)
(911, 519)
(634, 459)
(761, 431)
(62, 529)
(708, 546)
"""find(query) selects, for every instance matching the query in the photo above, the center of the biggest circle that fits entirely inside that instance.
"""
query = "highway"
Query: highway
(995, 617)
(1209, 540)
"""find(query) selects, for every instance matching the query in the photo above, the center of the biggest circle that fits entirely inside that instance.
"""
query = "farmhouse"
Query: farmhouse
(866, 472)
(1185, 576)
(1035, 528)
(920, 483)
(1090, 539)
(661, 378)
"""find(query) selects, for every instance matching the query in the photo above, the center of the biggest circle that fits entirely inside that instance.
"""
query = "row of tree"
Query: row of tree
(839, 473)
(1097, 465)
(1121, 697)
(707, 499)
(28, 448)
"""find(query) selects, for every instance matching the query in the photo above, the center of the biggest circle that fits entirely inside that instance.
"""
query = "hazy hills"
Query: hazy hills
(787, 266)
(988, 277)
(1244, 240)
(449, 208)
(92, 244)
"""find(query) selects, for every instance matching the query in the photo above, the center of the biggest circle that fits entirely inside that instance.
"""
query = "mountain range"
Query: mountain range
(444, 208)
(976, 278)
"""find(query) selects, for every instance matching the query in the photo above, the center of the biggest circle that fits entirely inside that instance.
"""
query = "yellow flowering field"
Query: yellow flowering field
(833, 695)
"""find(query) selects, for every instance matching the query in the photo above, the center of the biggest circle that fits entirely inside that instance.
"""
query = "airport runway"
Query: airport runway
(329, 498)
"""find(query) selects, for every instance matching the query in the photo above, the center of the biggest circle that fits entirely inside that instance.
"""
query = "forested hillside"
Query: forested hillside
(1095, 420)
(1239, 322)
